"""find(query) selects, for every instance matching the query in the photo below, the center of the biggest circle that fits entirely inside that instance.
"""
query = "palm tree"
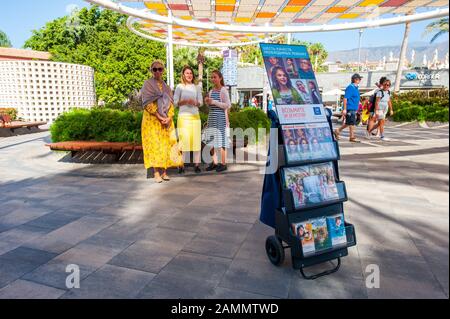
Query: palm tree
(201, 62)
(439, 26)
(4, 40)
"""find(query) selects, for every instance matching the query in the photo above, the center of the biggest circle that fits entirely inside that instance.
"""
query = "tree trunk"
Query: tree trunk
(200, 61)
(402, 57)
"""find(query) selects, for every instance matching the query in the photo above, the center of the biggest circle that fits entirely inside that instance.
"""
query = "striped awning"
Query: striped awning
(270, 13)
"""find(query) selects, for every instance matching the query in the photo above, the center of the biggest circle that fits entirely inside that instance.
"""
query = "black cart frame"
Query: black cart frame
(287, 215)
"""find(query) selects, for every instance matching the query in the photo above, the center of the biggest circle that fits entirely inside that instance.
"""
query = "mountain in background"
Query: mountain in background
(377, 53)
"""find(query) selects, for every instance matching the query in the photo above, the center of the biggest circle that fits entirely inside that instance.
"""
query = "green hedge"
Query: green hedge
(103, 124)
(12, 112)
(97, 125)
(430, 106)
(250, 117)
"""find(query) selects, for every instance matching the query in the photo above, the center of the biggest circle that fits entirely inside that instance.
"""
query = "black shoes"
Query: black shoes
(197, 169)
(218, 168)
(221, 168)
(211, 167)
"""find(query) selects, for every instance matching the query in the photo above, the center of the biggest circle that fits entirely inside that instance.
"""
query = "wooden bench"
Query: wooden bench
(18, 124)
(116, 148)
(5, 120)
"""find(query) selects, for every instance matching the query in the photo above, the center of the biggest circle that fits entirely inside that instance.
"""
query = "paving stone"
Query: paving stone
(225, 293)
(14, 264)
(198, 266)
(146, 256)
(214, 246)
(176, 286)
(188, 238)
(22, 289)
(111, 282)
(53, 273)
(71, 234)
(21, 216)
(54, 220)
(258, 277)
(333, 286)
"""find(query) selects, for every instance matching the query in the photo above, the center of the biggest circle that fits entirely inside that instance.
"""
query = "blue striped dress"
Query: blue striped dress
(216, 134)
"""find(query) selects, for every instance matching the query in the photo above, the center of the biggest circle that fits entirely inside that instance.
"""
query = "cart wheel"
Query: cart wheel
(274, 250)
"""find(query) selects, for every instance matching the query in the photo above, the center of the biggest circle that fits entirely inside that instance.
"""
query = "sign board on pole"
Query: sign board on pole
(293, 82)
(230, 65)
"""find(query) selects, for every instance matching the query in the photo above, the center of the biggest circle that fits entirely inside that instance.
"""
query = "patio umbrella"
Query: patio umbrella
(370, 93)
(335, 92)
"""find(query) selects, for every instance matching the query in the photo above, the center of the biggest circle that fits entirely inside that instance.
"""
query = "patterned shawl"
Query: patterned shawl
(151, 93)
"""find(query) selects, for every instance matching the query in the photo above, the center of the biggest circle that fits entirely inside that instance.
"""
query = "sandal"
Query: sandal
(165, 177)
(354, 140)
(336, 135)
(158, 179)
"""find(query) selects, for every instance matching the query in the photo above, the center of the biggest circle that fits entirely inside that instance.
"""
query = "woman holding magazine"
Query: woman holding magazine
(218, 123)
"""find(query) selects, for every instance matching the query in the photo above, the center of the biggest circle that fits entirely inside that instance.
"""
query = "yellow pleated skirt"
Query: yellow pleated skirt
(189, 132)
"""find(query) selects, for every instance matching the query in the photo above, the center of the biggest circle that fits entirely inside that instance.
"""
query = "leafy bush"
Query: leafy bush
(97, 125)
(12, 112)
(104, 124)
(249, 118)
(422, 106)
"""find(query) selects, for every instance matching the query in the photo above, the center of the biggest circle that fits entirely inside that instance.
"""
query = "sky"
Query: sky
(19, 18)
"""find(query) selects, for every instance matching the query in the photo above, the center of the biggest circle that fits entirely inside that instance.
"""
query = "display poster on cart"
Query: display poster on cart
(293, 83)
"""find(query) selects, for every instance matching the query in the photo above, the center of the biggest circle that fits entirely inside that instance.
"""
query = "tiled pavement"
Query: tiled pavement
(199, 236)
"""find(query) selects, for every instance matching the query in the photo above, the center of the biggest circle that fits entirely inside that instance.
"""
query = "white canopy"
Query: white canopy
(370, 93)
(334, 92)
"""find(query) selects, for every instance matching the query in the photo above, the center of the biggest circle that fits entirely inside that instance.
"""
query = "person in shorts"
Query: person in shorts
(351, 104)
(372, 123)
(382, 105)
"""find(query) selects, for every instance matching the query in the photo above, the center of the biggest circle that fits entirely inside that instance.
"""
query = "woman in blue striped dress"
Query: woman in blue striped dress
(218, 124)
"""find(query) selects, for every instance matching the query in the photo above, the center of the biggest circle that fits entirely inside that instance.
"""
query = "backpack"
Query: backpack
(373, 99)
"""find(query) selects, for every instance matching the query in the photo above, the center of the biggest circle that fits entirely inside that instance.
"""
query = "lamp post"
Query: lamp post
(359, 49)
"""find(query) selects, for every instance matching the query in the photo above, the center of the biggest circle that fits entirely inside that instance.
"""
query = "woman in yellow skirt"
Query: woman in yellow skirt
(159, 140)
(188, 97)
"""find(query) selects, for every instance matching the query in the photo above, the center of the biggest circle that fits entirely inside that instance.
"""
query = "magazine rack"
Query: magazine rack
(290, 214)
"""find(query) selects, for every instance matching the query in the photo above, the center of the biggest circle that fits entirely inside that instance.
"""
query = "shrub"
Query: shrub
(103, 124)
(98, 125)
(12, 112)
(249, 118)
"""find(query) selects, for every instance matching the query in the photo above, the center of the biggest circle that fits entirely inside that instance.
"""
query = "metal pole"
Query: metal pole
(359, 49)
(170, 44)
(289, 38)
(402, 57)
(167, 63)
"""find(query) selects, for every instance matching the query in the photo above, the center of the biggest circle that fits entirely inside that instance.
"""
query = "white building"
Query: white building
(42, 90)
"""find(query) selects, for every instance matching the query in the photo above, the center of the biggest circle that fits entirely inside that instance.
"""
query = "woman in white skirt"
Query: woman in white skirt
(188, 97)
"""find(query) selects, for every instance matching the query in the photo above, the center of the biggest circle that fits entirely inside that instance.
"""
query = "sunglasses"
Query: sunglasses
(386, 85)
(157, 69)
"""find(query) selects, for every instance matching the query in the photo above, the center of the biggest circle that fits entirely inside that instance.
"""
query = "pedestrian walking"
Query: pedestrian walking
(382, 105)
(351, 104)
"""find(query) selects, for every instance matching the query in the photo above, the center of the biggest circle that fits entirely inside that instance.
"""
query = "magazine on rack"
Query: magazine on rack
(336, 229)
(305, 142)
(320, 232)
(304, 233)
(311, 184)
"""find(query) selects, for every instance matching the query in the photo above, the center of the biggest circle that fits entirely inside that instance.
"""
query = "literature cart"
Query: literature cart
(305, 193)
(311, 221)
